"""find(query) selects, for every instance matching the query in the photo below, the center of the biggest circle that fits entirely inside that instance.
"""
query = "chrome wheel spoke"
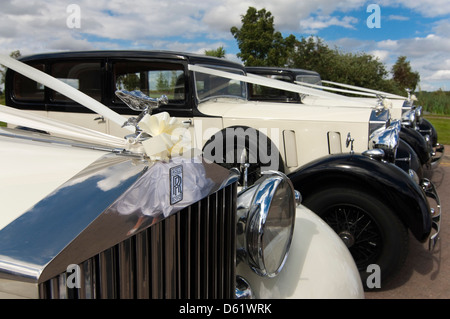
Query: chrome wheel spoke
(358, 231)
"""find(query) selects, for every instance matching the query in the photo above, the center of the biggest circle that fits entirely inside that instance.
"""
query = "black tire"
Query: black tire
(250, 149)
(371, 230)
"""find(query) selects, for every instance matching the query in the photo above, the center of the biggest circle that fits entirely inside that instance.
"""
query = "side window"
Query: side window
(152, 79)
(25, 89)
(208, 86)
(84, 76)
(259, 92)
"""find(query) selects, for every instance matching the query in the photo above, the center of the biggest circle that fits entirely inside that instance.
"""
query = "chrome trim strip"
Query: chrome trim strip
(44, 138)
(437, 155)
(432, 194)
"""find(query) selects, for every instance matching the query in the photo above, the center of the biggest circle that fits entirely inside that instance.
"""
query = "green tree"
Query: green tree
(403, 74)
(259, 43)
(312, 54)
(15, 54)
(358, 69)
(129, 82)
(219, 52)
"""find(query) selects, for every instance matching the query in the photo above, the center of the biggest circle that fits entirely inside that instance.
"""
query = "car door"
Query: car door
(86, 76)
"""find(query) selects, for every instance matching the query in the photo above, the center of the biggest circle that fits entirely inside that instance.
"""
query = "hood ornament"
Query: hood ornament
(138, 101)
(349, 142)
(160, 135)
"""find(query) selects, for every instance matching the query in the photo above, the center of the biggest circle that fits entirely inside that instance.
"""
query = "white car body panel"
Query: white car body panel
(30, 171)
(319, 265)
(310, 126)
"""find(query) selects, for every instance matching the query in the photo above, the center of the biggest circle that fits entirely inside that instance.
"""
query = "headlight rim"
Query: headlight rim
(255, 223)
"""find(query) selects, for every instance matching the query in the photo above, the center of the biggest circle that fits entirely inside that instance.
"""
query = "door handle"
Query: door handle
(101, 119)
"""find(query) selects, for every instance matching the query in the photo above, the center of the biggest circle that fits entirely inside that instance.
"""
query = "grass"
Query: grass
(437, 102)
(442, 126)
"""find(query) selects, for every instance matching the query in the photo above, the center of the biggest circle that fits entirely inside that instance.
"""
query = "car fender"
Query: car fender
(417, 142)
(384, 180)
(319, 265)
(425, 127)
(406, 158)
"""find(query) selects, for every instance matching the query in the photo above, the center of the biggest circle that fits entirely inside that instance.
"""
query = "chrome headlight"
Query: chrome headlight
(386, 139)
(266, 215)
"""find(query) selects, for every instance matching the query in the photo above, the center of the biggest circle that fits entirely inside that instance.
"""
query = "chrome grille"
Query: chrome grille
(190, 254)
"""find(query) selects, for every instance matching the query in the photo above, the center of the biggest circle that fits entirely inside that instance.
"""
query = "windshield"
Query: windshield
(151, 78)
(209, 86)
(311, 79)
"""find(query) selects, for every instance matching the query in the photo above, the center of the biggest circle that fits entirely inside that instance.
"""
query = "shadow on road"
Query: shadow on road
(426, 274)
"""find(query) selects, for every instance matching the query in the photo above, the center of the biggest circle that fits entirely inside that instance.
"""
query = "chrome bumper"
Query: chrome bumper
(437, 155)
(436, 209)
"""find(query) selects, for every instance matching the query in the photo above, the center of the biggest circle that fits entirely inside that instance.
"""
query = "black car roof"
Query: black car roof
(174, 55)
(279, 70)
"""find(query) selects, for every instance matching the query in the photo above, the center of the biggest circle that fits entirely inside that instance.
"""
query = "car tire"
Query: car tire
(370, 229)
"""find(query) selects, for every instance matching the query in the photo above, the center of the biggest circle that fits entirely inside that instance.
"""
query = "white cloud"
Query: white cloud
(314, 24)
(427, 55)
(382, 55)
(388, 44)
(395, 17)
(193, 26)
(440, 75)
(427, 8)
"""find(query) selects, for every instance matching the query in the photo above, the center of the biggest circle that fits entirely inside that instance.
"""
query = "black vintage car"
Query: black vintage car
(370, 202)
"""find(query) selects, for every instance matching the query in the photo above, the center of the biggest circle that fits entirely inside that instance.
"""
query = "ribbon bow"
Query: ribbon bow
(387, 103)
(169, 137)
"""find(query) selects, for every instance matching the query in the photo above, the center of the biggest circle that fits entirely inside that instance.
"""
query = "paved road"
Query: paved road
(426, 275)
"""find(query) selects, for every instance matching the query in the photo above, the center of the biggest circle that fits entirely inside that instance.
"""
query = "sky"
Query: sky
(419, 30)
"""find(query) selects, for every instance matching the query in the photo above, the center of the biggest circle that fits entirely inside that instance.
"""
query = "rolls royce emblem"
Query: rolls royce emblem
(176, 184)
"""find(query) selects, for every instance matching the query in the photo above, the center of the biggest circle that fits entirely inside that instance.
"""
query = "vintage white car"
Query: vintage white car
(340, 159)
(417, 132)
(89, 215)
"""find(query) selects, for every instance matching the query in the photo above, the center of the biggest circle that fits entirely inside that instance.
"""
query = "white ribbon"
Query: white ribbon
(62, 88)
(390, 95)
(18, 117)
(170, 137)
(322, 87)
(261, 80)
